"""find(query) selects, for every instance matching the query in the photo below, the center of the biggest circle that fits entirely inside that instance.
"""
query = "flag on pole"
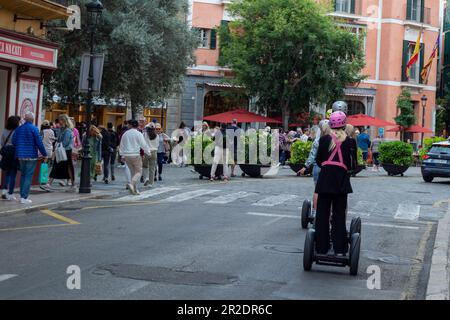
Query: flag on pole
(425, 73)
(414, 57)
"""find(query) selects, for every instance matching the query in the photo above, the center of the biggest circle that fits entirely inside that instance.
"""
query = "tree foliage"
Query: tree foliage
(289, 53)
(147, 47)
(406, 118)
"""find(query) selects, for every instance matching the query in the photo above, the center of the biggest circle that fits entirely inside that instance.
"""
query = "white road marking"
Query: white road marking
(274, 200)
(189, 195)
(407, 211)
(4, 277)
(230, 197)
(147, 194)
(385, 225)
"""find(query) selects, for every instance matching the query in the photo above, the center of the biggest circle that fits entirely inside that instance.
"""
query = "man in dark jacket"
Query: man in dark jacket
(106, 152)
(27, 141)
(114, 143)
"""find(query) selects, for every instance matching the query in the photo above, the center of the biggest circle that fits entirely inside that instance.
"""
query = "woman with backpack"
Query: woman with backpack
(9, 163)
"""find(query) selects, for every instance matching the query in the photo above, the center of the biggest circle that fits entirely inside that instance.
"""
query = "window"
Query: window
(415, 10)
(345, 6)
(359, 31)
(414, 71)
(355, 107)
(408, 50)
(203, 34)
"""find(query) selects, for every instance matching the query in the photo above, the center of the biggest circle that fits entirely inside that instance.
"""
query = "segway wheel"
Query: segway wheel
(308, 252)
(306, 208)
(355, 247)
(355, 226)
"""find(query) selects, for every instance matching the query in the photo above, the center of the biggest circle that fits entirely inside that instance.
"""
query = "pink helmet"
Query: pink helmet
(338, 119)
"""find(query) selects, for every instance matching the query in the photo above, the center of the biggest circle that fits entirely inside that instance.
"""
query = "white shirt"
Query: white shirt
(152, 144)
(132, 142)
(304, 138)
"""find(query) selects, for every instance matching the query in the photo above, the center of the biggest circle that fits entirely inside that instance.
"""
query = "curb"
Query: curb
(54, 204)
(439, 281)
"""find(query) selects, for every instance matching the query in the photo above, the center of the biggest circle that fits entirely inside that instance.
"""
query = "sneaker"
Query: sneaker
(137, 192)
(160, 178)
(106, 181)
(11, 197)
(62, 183)
(146, 183)
(25, 201)
(113, 178)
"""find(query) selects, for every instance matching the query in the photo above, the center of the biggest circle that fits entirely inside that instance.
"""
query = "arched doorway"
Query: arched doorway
(355, 107)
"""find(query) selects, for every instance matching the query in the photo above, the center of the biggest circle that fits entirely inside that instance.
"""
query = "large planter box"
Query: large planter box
(394, 170)
(204, 170)
(252, 170)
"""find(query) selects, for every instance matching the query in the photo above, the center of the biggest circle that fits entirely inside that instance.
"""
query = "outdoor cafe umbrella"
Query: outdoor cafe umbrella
(413, 129)
(241, 115)
(363, 120)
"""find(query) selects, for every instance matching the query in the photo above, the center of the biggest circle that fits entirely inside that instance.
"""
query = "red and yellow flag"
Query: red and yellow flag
(425, 73)
(414, 57)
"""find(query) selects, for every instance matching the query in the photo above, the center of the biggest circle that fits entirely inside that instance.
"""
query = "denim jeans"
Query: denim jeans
(10, 180)
(27, 168)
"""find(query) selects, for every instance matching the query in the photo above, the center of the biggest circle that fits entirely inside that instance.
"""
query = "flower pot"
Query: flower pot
(358, 169)
(252, 170)
(394, 170)
(205, 170)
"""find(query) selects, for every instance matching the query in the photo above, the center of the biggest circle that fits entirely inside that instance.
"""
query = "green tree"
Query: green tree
(289, 53)
(147, 46)
(406, 118)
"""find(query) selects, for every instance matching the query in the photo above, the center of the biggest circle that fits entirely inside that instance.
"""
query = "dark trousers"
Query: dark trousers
(112, 161)
(106, 155)
(160, 162)
(338, 230)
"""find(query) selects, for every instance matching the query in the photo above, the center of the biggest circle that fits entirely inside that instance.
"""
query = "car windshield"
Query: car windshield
(440, 149)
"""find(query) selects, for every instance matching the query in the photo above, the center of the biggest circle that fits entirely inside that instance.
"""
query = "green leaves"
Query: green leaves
(300, 151)
(289, 53)
(404, 103)
(396, 152)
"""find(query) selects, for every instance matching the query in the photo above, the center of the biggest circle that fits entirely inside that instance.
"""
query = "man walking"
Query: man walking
(364, 143)
(27, 141)
(131, 144)
(114, 138)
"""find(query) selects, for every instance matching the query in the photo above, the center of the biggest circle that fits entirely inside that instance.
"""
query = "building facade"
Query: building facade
(26, 57)
(390, 30)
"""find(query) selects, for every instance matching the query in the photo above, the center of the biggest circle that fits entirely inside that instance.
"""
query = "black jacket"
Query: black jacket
(334, 179)
(106, 141)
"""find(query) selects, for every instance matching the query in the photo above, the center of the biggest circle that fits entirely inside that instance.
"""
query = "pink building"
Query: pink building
(390, 29)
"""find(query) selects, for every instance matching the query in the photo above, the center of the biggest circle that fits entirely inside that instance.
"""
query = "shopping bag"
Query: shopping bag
(60, 153)
(43, 173)
(98, 168)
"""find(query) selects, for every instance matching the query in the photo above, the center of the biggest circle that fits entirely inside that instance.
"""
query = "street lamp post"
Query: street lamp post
(94, 11)
(424, 104)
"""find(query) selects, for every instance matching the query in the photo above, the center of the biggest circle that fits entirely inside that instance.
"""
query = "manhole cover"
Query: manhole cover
(388, 258)
(281, 248)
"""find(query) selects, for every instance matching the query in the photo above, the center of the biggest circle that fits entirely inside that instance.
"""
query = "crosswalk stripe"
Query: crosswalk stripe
(147, 194)
(274, 200)
(230, 197)
(407, 211)
(4, 277)
(189, 195)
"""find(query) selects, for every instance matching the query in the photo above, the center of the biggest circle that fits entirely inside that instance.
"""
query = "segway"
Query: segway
(306, 214)
(351, 259)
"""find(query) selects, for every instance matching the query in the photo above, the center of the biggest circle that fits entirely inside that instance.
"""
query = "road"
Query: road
(192, 239)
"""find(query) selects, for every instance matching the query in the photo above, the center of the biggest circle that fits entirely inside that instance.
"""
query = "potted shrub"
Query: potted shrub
(201, 167)
(299, 154)
(396, 157)
(264, 146)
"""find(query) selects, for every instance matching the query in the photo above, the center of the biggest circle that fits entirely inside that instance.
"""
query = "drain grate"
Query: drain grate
(167, 275)
(388, 258)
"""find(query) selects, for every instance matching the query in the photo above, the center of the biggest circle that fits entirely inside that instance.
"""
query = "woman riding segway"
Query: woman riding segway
(336, 156)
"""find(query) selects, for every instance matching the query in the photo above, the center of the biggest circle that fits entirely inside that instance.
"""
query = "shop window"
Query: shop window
(355, 107)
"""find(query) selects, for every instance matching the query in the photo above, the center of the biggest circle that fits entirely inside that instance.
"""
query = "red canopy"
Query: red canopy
(413, 129)
(362, 120)
(240, 115)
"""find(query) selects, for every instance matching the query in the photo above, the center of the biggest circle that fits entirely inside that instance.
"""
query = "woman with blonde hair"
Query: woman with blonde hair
(336, 157)
(64, 170)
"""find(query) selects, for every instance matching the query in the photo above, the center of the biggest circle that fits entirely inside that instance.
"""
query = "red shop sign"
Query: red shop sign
(17, 51)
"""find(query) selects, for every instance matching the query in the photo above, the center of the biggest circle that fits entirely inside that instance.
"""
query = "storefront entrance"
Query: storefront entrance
(5, 83)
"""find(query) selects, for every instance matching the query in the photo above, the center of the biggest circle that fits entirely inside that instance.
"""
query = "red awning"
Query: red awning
(362, 120)
(413, 129)
(242, 116)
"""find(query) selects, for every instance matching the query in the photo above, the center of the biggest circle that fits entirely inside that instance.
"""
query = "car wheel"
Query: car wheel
(427, 178)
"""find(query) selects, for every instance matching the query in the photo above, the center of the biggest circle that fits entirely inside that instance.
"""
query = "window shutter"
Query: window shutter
(405, 60)
(421, 60)
(335, 5)
(352, 8)
(422, 11)
(213, 41)
(408, 10)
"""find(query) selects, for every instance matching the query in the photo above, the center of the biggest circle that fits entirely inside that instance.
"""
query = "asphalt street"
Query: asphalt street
(191, 239)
